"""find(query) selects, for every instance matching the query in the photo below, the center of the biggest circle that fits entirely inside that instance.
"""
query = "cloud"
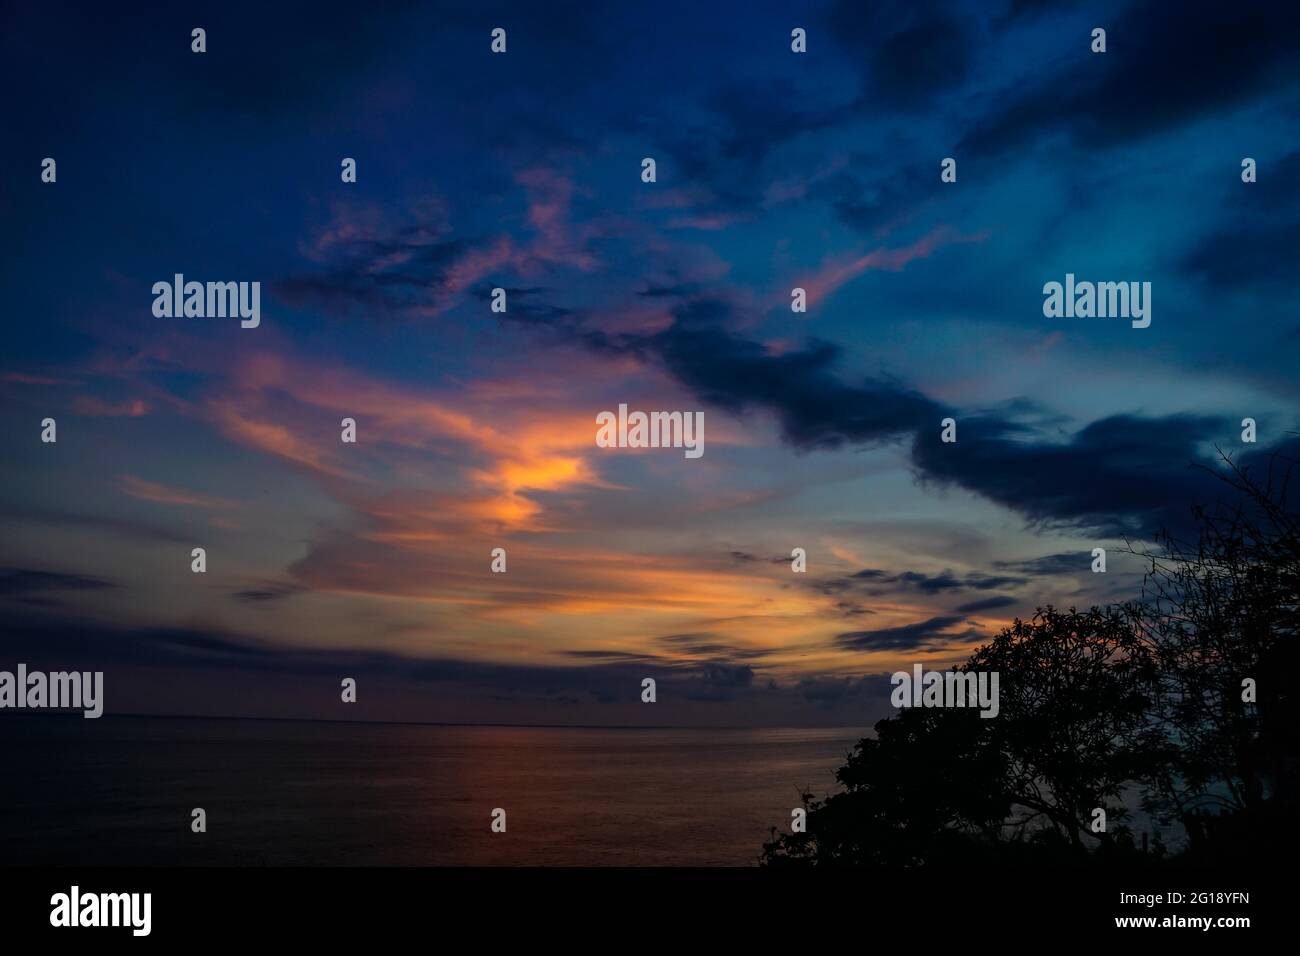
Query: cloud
(723, 160)
(988, 604)
(275, 402)
(84, 521)
(748, 558)
(837, 272)
(938, 583)
(610, 655)
(22, 378)
(709, 645)
(905, 637)
(911, 67)
(1257, 241)
(891, 198)
(1124, 474)
(410, 272)
(838, 690)
(1119, 475)
(163, 494)
(197, 649)
(268, 593)
(814, 408)
(852, 609)
(907, 55)
(26, 582)
(1066, 562)
(93, 407)
(416, 268)
(720, 682)
(1221, 56)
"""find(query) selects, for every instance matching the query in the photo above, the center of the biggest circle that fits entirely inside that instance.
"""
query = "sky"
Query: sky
(476, 430)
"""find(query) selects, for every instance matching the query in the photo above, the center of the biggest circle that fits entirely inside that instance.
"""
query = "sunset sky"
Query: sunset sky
(477, 430)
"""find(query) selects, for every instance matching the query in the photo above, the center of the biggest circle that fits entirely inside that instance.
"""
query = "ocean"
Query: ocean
(120, 791)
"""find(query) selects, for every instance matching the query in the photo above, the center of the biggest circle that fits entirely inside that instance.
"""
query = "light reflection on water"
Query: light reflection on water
(120, 791)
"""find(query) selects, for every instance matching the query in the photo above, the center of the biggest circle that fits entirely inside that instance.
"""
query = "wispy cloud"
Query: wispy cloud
(163, 494)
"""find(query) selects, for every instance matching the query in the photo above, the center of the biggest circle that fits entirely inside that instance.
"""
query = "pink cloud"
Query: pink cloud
(98, 408)
(549, 197)
(20, 378)
(837, 272)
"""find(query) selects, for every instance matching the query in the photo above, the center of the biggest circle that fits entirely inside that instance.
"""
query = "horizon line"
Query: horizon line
(449, 723)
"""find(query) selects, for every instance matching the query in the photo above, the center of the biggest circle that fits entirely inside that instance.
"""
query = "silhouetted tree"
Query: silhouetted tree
(1215, 611)
(926, 787)
(939, 783)
(1072, 728)
(1148, 692)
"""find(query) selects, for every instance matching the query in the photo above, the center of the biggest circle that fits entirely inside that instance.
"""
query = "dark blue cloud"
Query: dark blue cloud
(907, 54)
(1168, 62)
(267, 593)
(1049, 565)
(988, 604)
(57, 639)
(814, 408)
(23, 582)
(941, 582)
(83, 520)
(906, 637)
(720, 681)
(391, 275)
(1123, 474)
(710, 646)
(1119, 475)
(868, 203)
(745, 125)
(1256, 241)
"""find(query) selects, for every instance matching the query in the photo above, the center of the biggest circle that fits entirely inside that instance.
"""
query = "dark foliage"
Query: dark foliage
(1182, 695)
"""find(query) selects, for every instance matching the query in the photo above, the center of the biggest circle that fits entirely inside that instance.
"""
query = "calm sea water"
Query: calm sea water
(119, 790)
